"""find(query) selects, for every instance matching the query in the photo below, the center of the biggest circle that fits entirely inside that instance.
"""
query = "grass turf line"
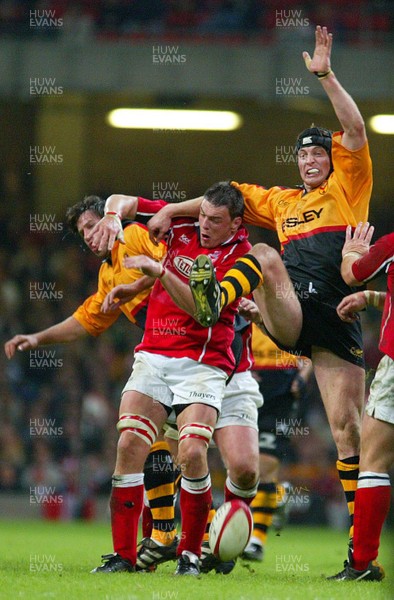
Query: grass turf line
(42, 560)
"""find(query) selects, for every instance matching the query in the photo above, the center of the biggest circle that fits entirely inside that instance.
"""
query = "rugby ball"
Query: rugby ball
(230, 530)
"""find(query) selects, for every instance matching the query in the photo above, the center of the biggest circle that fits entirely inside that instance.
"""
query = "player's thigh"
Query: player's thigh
(147, 379)
(276, 420)
(276, 297)
(341, 384)
(238, 446)
(203, 414)
(377, 445)
(133, 402)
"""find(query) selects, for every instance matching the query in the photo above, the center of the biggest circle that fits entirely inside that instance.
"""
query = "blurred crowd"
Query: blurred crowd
(59, 404)
(358, 19)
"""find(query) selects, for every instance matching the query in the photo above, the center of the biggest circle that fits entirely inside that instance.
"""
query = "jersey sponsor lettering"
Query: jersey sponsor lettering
(307, 217)
(183, 264)
(311, 225)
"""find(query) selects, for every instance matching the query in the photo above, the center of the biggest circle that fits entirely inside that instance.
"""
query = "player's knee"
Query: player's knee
(192, 453)
(244, 475)
(267, 256)
(194, 440)
(135, 430)
(126, 444)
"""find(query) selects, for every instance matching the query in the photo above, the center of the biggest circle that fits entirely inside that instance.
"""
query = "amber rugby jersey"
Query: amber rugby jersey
(311, 226)
(111, 274)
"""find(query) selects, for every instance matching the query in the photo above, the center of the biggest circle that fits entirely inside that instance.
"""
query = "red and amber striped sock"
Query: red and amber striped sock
(211, 514)
(348, 474)
(160, 489)
(263, 508)
(244, 277)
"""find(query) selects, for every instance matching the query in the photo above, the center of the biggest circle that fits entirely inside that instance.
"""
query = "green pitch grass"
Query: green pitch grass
(52, 561)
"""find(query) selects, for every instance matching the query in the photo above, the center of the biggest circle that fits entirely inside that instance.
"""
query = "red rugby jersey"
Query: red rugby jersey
(246, 361)
(379, 257)
(169, 330)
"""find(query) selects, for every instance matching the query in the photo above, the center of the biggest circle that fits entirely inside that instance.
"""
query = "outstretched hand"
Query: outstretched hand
(119, 295)
(21, 343)
(321, 60)
(361, 239)
(103, 235)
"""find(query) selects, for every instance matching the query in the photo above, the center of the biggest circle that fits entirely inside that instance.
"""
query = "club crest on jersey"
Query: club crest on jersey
(183, 264)
(184, 239)
(214, 255)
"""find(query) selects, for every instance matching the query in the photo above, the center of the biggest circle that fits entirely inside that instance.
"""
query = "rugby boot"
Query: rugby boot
(205, 290)
(113, 563)
(209, 562)
(374, 572)
(253, 552)
(150, 554)
(188, 564)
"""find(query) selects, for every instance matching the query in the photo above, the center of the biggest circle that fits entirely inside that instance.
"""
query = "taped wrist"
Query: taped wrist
(372, 298)
(352, 253)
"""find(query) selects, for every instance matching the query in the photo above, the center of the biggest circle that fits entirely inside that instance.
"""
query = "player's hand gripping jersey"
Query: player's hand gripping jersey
(311, 226)
(111, 274)
(169, 330)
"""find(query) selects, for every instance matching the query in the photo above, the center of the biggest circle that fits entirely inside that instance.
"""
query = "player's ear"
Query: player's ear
(237, 222)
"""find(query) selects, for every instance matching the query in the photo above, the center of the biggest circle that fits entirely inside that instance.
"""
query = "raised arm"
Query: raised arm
(353, 249)
(109, 228)
(123, 293)
(349, 116)
(179, 291)
(119, 206)
(66, 331)
(161, 222)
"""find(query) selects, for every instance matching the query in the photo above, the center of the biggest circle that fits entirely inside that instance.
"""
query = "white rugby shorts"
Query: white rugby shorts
(380, 403)
(173, 381)
(240, 402)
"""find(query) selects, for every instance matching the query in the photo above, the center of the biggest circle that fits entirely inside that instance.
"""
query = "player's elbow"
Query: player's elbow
(125, 206)
(356, 131)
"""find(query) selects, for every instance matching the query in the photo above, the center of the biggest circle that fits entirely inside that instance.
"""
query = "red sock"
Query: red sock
(147, 522)
(370, 511)
(194, 512)
(126, 506)
(236, 493)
